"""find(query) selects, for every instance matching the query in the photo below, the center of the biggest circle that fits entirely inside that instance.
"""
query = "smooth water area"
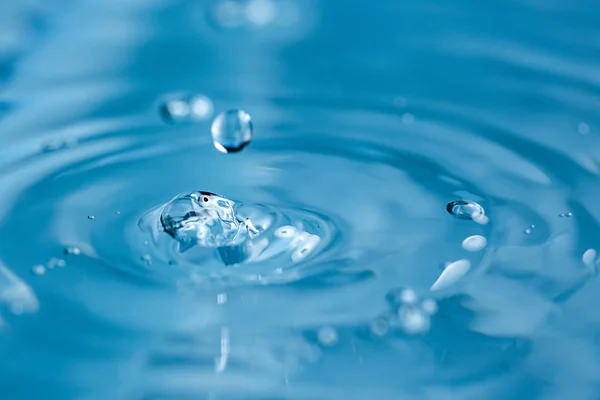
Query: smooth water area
(401, 199)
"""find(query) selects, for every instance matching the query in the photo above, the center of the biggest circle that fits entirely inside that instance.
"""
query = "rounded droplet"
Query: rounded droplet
(474, 243)
(466, 210)
(414, 321)
(38, 270)
(409, 296)
(589, 256)
(221, 298)
(55, 262)
(567, 215)
(429, 307)
(90, 217)
(327, 336)
(231, 131)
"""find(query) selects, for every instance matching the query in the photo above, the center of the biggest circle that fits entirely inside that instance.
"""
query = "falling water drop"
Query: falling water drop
(231, 131)
(474, 243)
(466, 210)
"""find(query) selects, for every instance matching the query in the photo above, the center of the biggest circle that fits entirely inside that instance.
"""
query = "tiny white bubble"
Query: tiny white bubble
(327, 336)
(222, 298)
(38, 270)
(409, 296)
(414, 321)
(429, 306)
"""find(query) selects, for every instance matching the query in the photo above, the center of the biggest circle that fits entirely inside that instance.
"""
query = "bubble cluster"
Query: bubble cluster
(231, 131)
(407, 313)
(179, 108)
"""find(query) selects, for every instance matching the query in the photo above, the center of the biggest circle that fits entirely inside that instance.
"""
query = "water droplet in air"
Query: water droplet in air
(38, 270)
(466, 210)
(380, 327)
(327, 336)
(567, 215)
(222, 298)
(451, 274)
(231, 131)
(408, 296)
(474, 243)
(589, 256)
(72, 250)
(186, 107)
(413, 320)
(90, 217)
(55, 262)
(429, 307)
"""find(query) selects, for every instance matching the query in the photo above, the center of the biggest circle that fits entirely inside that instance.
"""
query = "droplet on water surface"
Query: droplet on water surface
(474, 243)
(466, 210)
(231, 131)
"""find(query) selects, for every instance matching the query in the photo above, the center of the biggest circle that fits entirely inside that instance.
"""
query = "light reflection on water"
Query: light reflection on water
(368, 119)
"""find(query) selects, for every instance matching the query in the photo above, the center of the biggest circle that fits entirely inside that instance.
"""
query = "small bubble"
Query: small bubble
(117, 212)
(413, 321)
(583, 128)
(380, 327)
(221, 298)
(565, 215)
(589, 256)
(72, 250)
(327, 336)
(527, 231)
(231, 131)
(408, 118)
(474, 243)
(185, 108)
(465, 210)
(55, 262)
(38, 270)
(429, 306)
(91, 217)
(409, 296)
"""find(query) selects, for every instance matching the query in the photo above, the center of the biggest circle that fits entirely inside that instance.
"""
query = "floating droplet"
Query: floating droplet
(474, 243)
(180, 108)
(529, 230)
(38, 270)
(567, 215)
(231, 131)
(465, 210)
(72, 250)
(409, 296)
(429, 306)
(327, 336)
(413, 320)
(90, 217)
(589, 256)
(55, 262)
(380, 327)
(451, 274)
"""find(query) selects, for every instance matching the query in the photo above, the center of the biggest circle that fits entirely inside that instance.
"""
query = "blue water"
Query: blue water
(368, 119)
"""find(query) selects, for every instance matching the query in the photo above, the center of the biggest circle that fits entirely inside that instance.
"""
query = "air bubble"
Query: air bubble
(91, 217)
(231, 131)
(466, 210)
(221, 298)
(181, 108)
(38, 270)
(429, 306)
(474, 243)
(409, 296)
(55, 262)
(327, 336)
(567, 215)
(413, 320)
